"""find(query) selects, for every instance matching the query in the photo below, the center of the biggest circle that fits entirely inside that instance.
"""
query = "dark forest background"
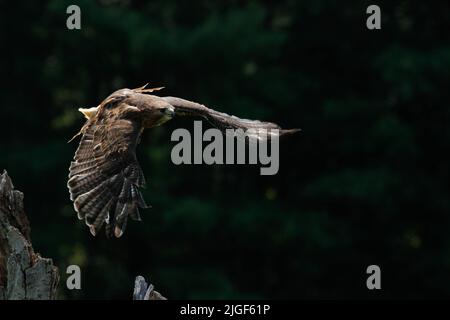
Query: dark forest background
(365, 182)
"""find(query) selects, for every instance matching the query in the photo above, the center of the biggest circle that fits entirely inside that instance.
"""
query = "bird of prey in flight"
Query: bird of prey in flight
(105, 175)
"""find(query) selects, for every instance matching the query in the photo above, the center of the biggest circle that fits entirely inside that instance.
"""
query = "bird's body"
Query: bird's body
(105, 176)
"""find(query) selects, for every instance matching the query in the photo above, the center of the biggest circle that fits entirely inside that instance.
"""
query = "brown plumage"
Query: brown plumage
(105, 176)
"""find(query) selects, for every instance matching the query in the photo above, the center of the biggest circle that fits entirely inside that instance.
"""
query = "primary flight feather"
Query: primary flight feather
(105, 176)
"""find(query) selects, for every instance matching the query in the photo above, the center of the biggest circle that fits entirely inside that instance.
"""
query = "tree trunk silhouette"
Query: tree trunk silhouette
(24, 274)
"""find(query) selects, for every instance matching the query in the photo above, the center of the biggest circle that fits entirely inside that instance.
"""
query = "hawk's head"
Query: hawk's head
(135, 103)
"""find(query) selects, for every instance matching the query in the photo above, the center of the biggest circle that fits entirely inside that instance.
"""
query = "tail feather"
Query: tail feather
(102, 217)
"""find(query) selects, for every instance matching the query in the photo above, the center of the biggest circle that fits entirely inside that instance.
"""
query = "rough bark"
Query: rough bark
(145, 291)
(24, 274)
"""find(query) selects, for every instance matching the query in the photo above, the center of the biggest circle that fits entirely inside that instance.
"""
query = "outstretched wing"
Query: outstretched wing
(224, 121)
(105, 176)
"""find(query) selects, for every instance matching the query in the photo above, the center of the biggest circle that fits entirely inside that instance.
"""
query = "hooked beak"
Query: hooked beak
(88, 113)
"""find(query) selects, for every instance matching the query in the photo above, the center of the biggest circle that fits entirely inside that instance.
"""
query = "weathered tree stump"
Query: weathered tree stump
(24, 274)
(145, 291)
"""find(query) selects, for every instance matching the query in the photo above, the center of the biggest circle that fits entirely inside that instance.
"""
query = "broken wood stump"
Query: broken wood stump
(24, 274)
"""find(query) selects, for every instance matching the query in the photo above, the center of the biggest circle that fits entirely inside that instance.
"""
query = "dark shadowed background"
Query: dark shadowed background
(365, 182)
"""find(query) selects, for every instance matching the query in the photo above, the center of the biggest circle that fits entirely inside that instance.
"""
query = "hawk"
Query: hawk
(105, 175)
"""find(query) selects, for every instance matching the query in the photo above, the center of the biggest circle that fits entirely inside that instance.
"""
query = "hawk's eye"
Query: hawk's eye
(113, 102)
(110, 105)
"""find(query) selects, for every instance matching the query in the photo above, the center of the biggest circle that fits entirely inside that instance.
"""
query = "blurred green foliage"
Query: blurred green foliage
(366, 182)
